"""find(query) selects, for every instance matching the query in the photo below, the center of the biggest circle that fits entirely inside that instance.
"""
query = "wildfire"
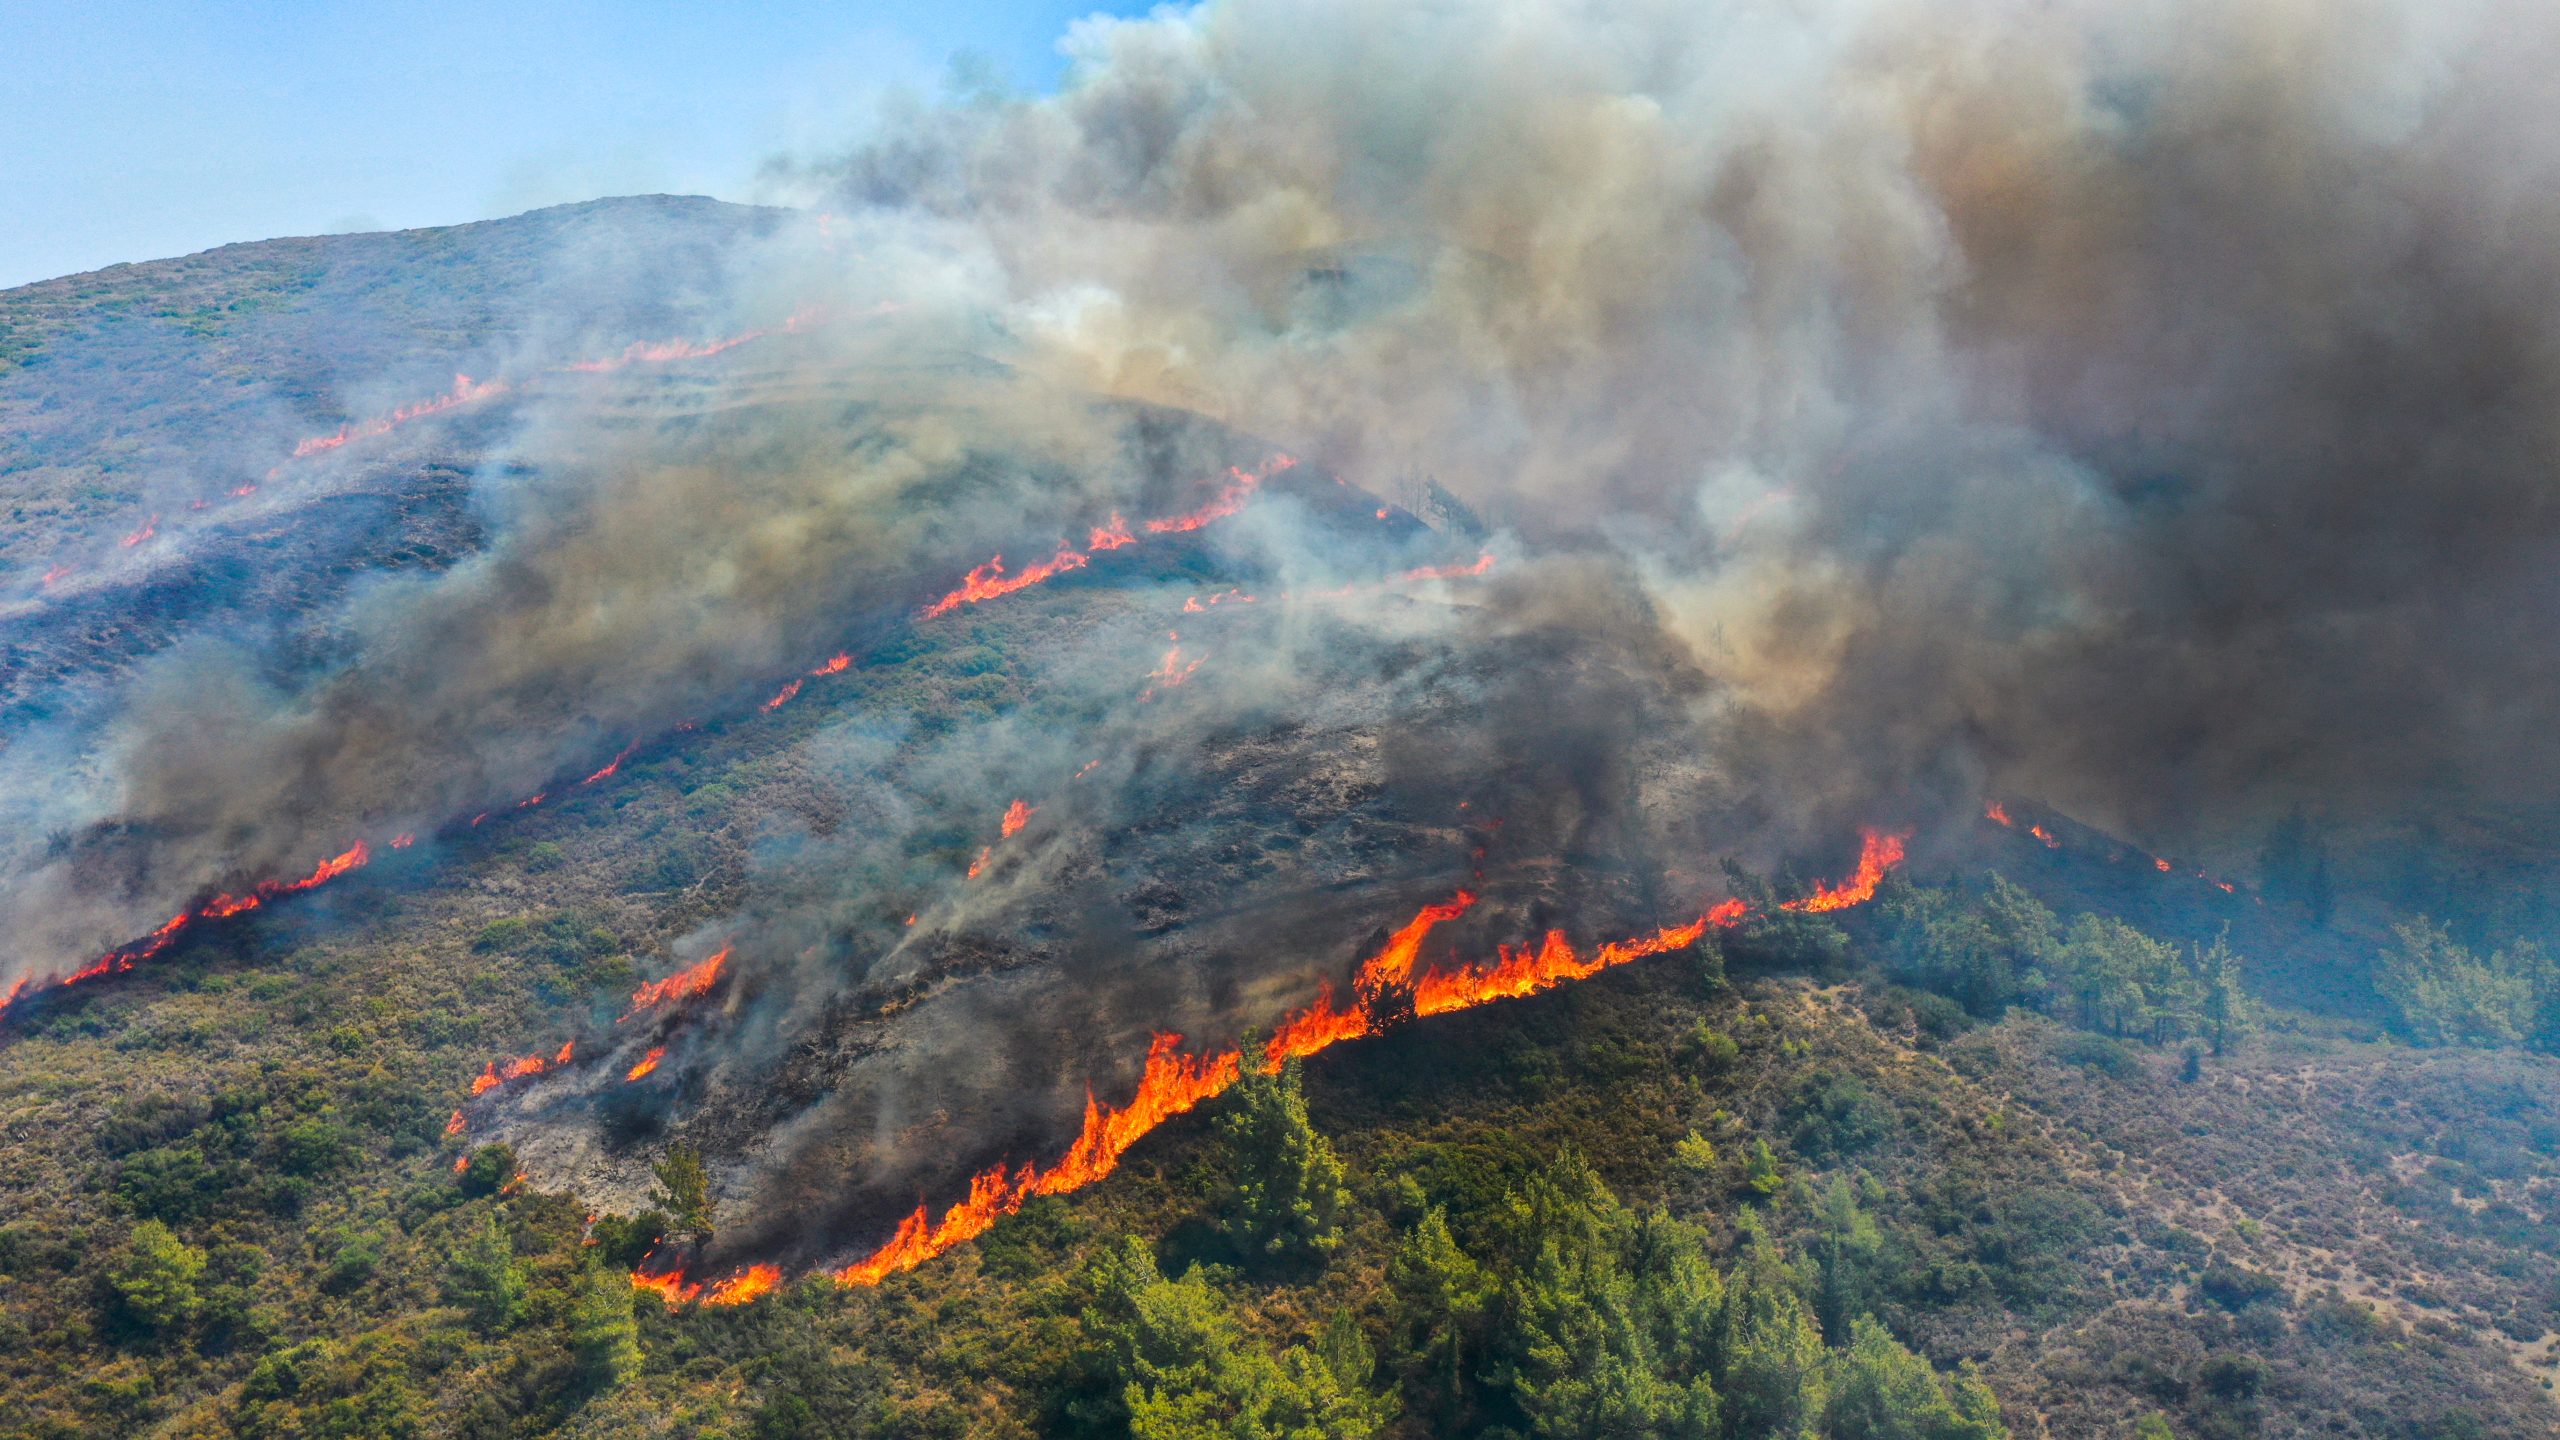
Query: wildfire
(662, 351)
(2047, 836)
(683, 985)
(613, 764)
(744, 1286)
(668, 1287)
(493, 1074)
(1526, 972)
(647, 1063)
(1171, 1084)
(1483, 566)
(1878, 852)
(454, 1126)
(149, 528)
(1170, 671)
(1016, 815)
(219, 907)
(465, 391)
(978, 866)
(1239, 489)
(55, 572)
(784, 696)
(989, 581)
(1997, 813)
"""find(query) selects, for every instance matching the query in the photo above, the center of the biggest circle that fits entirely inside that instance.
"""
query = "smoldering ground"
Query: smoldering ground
(1199, 863)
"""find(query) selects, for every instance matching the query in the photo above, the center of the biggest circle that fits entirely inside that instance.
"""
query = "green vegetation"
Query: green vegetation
(1288, 1197)
(1996, 947)
(2446, 995)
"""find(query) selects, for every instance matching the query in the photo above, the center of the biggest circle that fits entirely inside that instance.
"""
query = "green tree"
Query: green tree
(1879, 1390)
(2446, 995)
(488, 1170)
(1770, 1347)
(484, 1280)
(2228, 1012)
(1184, 1371)
(1288, 1197)
(155, 1276)
(683, 1191)
(1846, 1246)
(603, 1334)
(1760, 1170)
(1441, 1298)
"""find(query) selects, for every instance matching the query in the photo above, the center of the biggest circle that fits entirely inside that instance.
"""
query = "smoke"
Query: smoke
(2144, 407)
(2135, 405)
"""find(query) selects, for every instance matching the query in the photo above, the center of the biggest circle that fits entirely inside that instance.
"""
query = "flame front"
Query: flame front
(1016, 815)
(648, 1063)
(683, 985)
(1174, 1082)
(989, 581)
(1879, 851)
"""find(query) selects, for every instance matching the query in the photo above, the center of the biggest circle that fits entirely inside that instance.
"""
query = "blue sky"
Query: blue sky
(134, 129)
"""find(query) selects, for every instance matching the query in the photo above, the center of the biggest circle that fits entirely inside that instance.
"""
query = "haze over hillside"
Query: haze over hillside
(1389, 722)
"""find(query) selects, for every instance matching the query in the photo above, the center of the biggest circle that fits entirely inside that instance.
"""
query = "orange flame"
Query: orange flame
(493, 1074)
(222, 906)
(2047, 836)
(989, 581)
(149, 528)
(668, 1287)
(1998, 813)
(1171, 1084)
(978, 866)
(783, 696)
(647, 1063)
(1526, 972)
(465, 391)
(1878, 852)
(1393, 964)
(454, 1126)
(1170, 671)
(683, 985)
(1016, 816)
(1174, 1083)
(613, 764)
(2159, 864)
(841, 662)
(1315, 1028)
(744, 1286)
(1482, 566)
(1239, 489)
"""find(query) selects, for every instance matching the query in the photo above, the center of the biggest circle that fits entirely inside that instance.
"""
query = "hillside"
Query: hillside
(1800, 1174)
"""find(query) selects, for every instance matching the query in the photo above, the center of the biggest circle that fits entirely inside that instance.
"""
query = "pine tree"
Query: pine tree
(484, 1279)
(156, 1276)
(602, 1332)
(1288, 1197)
(1879, 1390)
(1771, 1351)
(1441, 1297)
(684, 1192)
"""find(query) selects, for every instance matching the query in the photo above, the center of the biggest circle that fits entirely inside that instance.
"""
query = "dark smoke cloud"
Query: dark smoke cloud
(2142, 405)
